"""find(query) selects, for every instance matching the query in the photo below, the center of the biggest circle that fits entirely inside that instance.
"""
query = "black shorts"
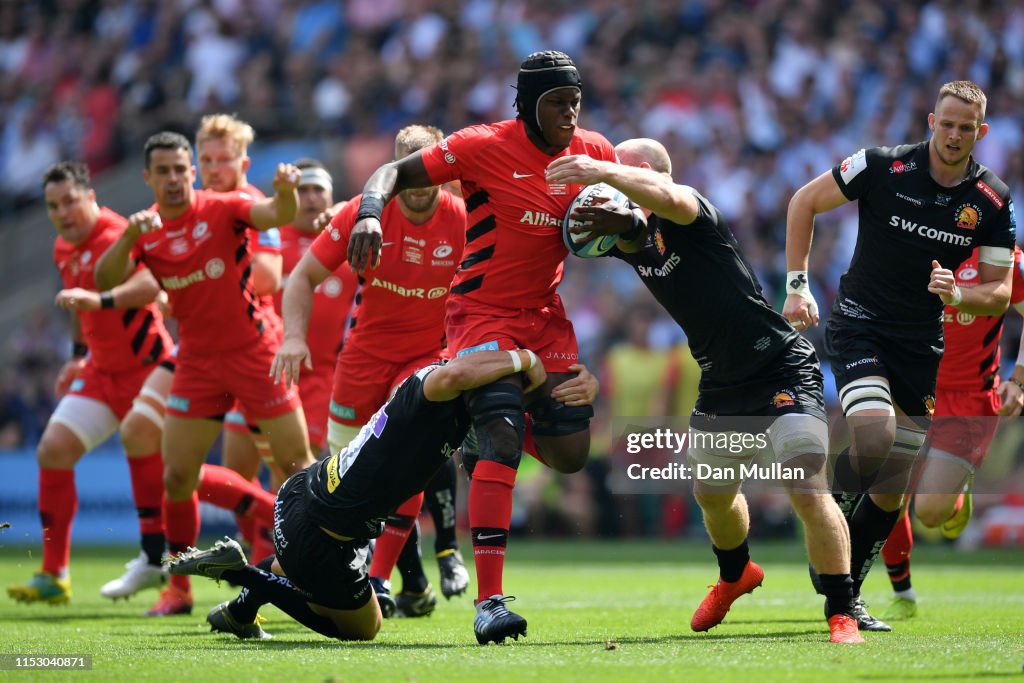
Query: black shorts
(327, 571)
(908, 358)
(791, 383)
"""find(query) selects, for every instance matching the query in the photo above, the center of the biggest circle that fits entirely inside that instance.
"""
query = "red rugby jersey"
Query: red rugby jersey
(971, 360)
(332, 300)
(514, 250)
(399, 312)
(118, 339)
(203, 259)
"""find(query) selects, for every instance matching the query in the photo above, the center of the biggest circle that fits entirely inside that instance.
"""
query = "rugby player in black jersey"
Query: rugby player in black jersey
(923, 208)
(325, 514)
(758, 374)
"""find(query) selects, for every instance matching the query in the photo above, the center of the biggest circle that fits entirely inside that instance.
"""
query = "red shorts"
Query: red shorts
(964, 424)
(545, 331)
(116, 390)
(206, 386)
(315, 392)
(363, 384)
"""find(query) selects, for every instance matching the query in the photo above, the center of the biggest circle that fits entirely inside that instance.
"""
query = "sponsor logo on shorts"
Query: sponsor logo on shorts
(178, 403)
(486, 346)
(344, 412)
(784, 399)
(333, 477)
(280, 542)
(561, 355)
(870, 360)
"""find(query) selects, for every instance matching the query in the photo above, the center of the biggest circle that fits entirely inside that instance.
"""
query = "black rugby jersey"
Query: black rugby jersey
(906, 220)
(393, 457)
(699, 275)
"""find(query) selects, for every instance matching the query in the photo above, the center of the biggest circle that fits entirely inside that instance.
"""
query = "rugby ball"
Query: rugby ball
(589, 196)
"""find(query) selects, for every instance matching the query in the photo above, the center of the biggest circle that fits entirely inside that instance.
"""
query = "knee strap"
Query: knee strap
(499, 425)
(553, 418)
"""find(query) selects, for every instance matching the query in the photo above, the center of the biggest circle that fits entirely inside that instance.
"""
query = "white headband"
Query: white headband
(316, 176)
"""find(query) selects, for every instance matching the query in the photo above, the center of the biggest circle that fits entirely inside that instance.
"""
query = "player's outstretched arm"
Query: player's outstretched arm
(654, 191)
(282, 207)
(365, 242)
(818, 196)
(296, 309)
(116, 264)
(480, 368)
(140, 289)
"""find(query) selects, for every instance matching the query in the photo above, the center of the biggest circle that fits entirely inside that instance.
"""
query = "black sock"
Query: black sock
(732, 562)
(410, 564)
(899, 575)
(440, 501)
(246, 605)
(838, 590)
(154, 545)
(869, 527)
(264, 586)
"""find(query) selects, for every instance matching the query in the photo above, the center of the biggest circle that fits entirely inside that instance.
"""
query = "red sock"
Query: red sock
(227, 489)
(490, 513)
(262, 541)
(900, 542)
(58, 503)
(245, 527)
(147, 472)
(182, 522)
(396, 532)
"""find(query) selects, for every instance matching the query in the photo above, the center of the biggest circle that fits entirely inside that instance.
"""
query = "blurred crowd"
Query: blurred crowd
(752, 98)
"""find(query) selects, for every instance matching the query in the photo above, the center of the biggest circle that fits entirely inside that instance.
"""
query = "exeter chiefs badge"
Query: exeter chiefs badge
(659, 241)
(929, 405)
(784, 399)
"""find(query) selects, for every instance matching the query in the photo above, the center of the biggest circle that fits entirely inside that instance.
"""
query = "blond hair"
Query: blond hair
(227, 127)
(965, 91)
(414, 138)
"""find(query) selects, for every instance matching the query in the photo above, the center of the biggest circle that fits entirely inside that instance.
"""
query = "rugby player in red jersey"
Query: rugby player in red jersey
(119, 337)
(969, 399)
(196, 243)
(503, 296)
(222, 145)
(397, 327)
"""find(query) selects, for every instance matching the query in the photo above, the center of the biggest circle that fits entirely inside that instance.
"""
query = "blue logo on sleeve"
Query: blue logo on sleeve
(486, 346)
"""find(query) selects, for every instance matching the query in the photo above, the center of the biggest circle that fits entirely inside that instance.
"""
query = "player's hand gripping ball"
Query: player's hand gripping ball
(581, 243)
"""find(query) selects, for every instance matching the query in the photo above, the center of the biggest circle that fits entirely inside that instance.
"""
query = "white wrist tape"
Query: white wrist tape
(517, 363)
(796, 283)
(533, 359)
(958, 296)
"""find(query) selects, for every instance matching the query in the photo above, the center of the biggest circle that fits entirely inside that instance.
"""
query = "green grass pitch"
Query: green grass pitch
(597, 612)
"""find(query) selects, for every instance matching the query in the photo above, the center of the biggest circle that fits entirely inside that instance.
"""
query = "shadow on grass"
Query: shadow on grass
(222, 642)
(955, 675)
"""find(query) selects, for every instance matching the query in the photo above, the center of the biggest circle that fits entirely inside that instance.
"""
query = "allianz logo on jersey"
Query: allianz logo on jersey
(671, 262)
(931, 233)
(415, 292)
(213, 269)
(540, 218)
